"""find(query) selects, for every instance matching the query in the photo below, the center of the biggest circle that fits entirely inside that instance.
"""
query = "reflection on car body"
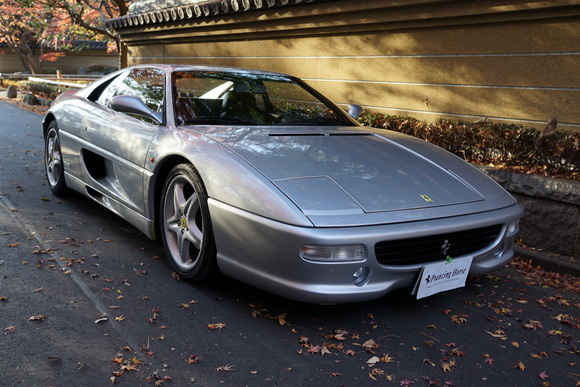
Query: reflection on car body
(258, 175)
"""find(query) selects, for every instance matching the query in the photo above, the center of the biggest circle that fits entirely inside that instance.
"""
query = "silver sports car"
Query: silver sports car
(258, 175)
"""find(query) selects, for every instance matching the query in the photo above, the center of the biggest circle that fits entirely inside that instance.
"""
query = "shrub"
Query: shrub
(43, 90)
(506, 146)
(97, 69)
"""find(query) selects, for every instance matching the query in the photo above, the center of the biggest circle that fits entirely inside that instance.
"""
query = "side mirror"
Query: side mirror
(354, 110)
(134, 105)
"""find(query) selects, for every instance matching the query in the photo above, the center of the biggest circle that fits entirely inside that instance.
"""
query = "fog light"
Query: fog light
(360, 276)
(513, 227)
(343, 253)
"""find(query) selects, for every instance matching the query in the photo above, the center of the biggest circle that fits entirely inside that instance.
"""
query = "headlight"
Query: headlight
(343, 253)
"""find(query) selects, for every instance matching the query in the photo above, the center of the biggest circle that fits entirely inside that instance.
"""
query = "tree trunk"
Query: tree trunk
(25, 52)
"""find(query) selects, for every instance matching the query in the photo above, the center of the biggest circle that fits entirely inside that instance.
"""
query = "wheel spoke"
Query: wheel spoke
(184, 244)
(173, 221)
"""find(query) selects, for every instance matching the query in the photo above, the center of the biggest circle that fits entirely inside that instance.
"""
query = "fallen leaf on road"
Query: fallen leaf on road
(543, 375)
(192, 359)
(520, 366)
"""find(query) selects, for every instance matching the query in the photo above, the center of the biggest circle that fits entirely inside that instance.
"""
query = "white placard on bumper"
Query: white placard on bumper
(442, 276)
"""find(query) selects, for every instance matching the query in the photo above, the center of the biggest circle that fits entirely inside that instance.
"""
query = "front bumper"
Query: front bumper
(265, 253)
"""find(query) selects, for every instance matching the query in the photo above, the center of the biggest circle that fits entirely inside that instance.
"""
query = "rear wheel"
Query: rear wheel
(53, 162)
(186, 228)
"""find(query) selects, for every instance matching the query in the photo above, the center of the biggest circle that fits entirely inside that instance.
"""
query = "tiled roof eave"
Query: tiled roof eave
(198, 10)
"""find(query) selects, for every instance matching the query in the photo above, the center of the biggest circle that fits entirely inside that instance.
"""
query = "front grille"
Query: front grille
(429, 249)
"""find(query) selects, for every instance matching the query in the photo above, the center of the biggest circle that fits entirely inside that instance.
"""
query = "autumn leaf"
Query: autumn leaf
(304, 341)
(387, 359)
(457, 352)
(281, 318)
(192, 359)
(216, 326)
(498, 334)
(226, 368)
(459, 318)
(533, 325)
(38, 317)
(448, 366)
(540, 355)
(543, 375)
(369, 345)
(520, 366)
(560, 317)
(338, 335)
(376, 372)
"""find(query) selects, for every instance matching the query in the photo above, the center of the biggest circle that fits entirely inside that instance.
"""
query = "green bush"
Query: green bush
(506, 146)
(43, 90)
(97, 69)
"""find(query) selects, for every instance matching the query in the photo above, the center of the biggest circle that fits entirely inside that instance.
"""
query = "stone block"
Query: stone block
(11, 91)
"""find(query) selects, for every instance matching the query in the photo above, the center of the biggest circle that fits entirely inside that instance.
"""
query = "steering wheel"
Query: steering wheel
(284, 117)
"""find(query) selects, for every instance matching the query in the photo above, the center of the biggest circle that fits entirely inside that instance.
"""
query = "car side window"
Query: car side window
(104, 99)
(147, 84)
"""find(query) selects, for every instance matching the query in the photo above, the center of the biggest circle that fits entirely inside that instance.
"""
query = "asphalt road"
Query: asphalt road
(86, 300)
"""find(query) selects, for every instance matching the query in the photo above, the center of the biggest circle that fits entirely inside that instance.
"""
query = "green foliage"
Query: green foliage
(97, 69)
(43, 90)
(506, 146)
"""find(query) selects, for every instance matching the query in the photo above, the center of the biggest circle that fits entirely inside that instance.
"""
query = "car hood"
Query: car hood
(348, 172)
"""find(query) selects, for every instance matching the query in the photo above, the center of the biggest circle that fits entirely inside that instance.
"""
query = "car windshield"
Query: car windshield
(250, 99)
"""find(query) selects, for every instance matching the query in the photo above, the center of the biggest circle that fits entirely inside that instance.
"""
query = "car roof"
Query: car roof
(180, 67)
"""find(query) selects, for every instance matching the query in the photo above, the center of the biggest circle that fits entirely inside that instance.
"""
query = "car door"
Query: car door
(115, 144)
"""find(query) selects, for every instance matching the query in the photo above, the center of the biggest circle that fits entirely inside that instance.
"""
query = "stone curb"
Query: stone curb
(551, 262)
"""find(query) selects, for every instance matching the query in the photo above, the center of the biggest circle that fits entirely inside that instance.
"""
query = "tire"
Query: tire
(53, 162)
(185, 225)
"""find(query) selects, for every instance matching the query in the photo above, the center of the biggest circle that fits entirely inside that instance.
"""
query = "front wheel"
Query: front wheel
(53, 161)
(186, 228)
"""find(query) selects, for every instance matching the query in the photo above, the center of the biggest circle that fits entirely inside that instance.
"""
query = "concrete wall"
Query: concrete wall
(516, 61)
